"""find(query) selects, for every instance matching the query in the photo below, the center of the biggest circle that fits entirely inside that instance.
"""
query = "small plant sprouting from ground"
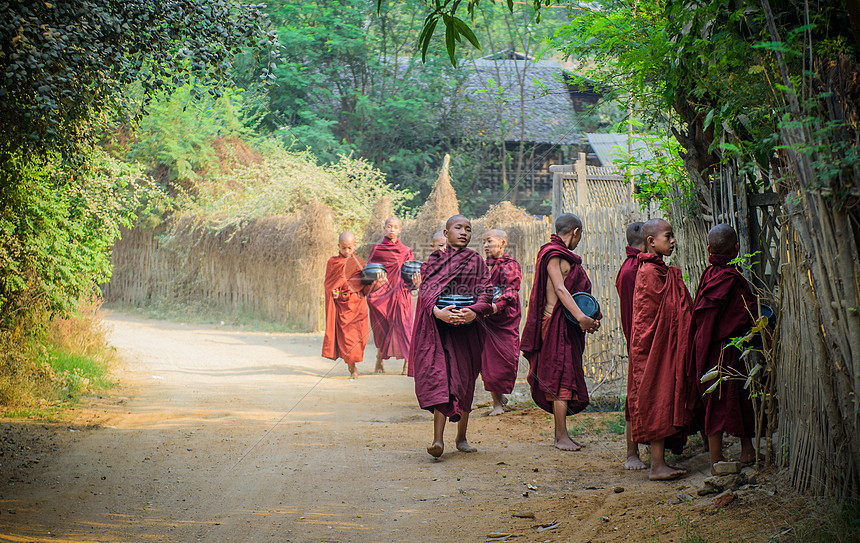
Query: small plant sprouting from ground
(616, 425)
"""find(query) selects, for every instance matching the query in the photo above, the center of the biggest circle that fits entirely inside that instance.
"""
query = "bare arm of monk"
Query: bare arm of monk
(561, 293)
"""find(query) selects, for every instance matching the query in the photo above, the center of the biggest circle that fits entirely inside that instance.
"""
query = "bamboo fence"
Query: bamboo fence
(271, 268)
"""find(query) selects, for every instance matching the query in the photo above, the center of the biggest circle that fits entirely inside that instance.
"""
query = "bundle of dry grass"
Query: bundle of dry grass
(439, 207)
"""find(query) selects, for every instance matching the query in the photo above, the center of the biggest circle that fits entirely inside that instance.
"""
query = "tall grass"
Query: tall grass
(54, 361)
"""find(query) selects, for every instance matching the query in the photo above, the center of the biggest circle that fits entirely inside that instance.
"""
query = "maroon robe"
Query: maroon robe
(346, 327)
(553, 345)
(501, 355)
(446, 359)
(723, 310)
(660, 394)
(625, 282)
(390, 307)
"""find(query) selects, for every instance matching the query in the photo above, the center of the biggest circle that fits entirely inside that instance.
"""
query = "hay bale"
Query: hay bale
(439, 207)
(505, 216)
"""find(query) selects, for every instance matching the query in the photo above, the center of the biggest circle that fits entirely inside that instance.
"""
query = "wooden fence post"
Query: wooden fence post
(581, 182)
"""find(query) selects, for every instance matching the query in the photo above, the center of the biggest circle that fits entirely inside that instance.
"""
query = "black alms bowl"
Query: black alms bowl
(457, 300)
(586, 303)
(371, 272)
(498, 292)
(410, 268)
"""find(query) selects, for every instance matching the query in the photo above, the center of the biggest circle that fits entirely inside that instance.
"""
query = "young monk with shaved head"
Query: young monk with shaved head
(346, 328)
(438, 242)
(624, 284)
(551, 344)
(390, 307)
(660, 394)
(501, 354)
(446, 344)
(723, 309)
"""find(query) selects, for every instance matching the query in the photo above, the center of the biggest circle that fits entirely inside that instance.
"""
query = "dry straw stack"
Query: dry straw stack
(440, 205)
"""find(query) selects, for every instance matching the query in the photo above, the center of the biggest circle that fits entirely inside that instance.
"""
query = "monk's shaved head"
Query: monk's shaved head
(438, 235)
(346, 237)
(634, 234)
(393, 219)
(722, 239)
(496, 232)
(455, 218)
(654, 227)
(567, 223)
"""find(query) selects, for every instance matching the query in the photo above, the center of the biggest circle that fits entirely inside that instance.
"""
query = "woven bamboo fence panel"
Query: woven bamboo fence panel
(270, 268)
(603, 251)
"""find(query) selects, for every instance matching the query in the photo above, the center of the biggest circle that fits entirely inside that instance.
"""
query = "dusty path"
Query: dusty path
(225, 435)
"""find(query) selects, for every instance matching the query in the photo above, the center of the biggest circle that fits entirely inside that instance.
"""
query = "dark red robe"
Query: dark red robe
(660, 394)
(501, 354)
(446, 359)
(390, 307)
(554, 348)
(625, 282)
(723, 309)
(346, 328)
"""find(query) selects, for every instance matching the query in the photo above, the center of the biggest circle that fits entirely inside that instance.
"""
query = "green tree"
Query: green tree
(348, 83)
(67, 70)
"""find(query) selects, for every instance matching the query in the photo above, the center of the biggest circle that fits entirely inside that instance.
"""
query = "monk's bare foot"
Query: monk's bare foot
(405, 368)
(567, 444)
(436, 449)
(353, 375)
(665, 473)
(379, 368)
(463, 446)
(634, 462)
(497, 410)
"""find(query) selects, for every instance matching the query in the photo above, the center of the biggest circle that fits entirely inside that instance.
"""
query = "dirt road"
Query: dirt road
(220, 435)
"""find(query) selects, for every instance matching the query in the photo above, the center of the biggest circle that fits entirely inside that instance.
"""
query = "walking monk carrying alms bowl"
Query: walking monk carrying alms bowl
(390, 307)
(501, 355)
(549, 342)
(346, 328)
(446, 344)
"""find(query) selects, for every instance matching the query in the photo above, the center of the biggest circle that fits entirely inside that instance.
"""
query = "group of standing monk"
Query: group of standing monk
(672, 341)
(675, 344)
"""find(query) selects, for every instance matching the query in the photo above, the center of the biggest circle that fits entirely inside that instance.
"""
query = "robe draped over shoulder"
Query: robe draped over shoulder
(661, 396)
(390, 307)
(723, 309)
(501, 354)
(624, 284)
(446, 359)
(346, 326)
(554, 348)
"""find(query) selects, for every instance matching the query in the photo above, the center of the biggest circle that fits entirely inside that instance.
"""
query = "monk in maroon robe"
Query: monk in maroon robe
(624, 284)
(446, 344)
(501, 356)
(551, 344)
(723, 309)
(390, 307)
(346, 329)
(660, 393)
